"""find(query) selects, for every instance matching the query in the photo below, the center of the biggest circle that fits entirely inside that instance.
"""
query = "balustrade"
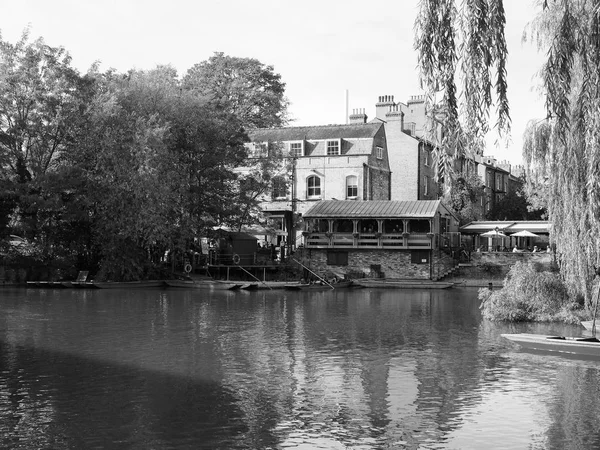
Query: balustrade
(369, 240)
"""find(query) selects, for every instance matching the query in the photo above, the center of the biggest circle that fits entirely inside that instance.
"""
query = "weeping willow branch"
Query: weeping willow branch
(462, 46)
(566, 150)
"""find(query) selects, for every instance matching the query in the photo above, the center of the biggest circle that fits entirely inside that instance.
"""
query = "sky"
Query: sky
(321, 48)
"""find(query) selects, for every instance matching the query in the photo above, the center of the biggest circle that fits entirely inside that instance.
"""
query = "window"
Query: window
(426, 157)
(297, 148)
(425, 185)
(352, 186)
(379, 152)
(279, 187)
(313, 184)
(333, 147)
(258, 149)
(337, 258)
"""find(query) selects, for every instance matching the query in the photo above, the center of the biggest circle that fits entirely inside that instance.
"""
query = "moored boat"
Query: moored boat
(204, 284)
(402, 284)
(319, 286)
(578, 346)
(128, 284)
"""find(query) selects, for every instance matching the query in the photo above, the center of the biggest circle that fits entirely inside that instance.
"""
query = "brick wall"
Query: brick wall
(380, 184)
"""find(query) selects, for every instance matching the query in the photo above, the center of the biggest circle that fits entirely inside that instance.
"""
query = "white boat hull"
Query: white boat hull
(580, 346)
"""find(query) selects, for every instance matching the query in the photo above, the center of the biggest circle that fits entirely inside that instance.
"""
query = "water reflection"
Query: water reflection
(272, 369)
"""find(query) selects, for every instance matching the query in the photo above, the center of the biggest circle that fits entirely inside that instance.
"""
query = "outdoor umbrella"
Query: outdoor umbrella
(493, 233)
(524, 233)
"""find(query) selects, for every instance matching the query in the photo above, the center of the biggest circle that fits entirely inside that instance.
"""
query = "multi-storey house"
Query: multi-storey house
(332, 162)
(410, 153)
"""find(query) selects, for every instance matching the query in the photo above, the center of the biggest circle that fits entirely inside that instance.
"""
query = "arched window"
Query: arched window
(313, 187)
(351, 186)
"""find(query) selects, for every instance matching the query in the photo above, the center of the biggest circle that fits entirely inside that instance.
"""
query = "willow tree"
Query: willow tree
(564, 150)
(462, 44)
(462, 59)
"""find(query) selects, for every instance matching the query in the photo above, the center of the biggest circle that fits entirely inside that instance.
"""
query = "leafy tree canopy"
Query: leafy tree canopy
(243, 87)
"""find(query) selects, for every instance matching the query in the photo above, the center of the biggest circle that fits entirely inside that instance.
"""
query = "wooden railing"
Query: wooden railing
(370, 240)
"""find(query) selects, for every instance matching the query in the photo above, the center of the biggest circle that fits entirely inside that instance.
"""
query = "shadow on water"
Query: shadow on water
(363, 369)
(57, 400)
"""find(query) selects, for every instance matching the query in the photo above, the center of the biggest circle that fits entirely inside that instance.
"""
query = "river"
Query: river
(346, 369)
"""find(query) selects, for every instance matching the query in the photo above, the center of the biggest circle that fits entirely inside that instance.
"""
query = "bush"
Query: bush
(529, 294)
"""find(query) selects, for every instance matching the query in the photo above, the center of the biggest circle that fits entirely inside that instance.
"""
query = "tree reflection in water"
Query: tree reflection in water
(271, 369)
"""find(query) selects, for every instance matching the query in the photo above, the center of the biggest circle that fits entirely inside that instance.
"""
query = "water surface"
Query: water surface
(359, 369)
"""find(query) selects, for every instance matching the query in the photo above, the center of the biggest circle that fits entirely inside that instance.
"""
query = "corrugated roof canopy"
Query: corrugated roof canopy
(507, 227)
(376, 209)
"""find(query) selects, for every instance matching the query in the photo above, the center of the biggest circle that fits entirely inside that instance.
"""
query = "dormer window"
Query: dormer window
(297, 148)
(334, 147)
(258, 149)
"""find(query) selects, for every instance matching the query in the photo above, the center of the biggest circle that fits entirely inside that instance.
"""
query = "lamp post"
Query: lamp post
(292, 230)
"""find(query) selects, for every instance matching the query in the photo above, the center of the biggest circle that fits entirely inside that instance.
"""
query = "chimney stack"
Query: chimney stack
(385, 103)
(358, 116)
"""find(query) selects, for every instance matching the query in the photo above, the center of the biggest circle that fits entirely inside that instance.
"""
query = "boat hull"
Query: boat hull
(318, 286)
(205, 284)
(403, 284)
(578, 346)
(128, 284)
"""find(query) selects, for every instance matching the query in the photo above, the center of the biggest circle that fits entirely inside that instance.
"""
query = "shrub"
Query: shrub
(529, 294)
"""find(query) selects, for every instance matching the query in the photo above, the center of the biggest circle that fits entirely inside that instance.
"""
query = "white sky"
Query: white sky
(321, 48)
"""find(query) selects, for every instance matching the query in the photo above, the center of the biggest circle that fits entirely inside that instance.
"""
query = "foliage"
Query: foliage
(563, 151)
(515, 206)
(112, 171)
(462, 196)
(530, 294)
(40, 94)
(461, 47)
(243, 87)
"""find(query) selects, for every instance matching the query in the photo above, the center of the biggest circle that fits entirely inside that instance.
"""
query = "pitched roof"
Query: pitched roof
(352, 131)
(381, 209)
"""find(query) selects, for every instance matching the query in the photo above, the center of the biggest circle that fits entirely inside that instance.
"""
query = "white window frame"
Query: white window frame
(308, 187)
(354, 186)
(292, 151)
(379, 153)
(335, 144)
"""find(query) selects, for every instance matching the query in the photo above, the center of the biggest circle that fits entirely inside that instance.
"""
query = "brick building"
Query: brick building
(341, 162)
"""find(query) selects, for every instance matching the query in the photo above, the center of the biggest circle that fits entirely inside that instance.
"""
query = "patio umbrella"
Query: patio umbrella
(524, 233)
(493, 233)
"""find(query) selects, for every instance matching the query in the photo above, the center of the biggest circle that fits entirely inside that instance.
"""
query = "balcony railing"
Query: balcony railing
(370, 240)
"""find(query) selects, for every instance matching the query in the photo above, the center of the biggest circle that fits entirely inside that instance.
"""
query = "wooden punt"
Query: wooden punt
(578, 346)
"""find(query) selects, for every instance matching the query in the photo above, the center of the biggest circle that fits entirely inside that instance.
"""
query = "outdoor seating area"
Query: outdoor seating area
(508, 236)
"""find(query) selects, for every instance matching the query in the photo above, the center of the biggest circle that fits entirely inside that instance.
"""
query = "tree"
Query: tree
(566, 147)
(463, 195)
(39, 100)
(515, 206)
(460, 48)
(243, 87)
